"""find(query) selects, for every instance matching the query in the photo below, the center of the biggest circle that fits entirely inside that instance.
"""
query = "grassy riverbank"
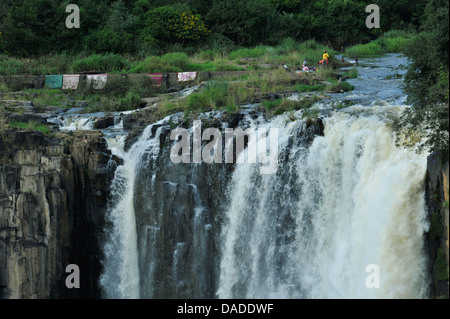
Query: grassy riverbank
(390, 42)
(289, 52)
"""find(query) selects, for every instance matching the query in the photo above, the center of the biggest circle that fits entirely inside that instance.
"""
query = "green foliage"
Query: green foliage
(217, 93)
(427, 82)
(352, 73)
(440, 268)
(198, 101)
(164, 25)
(2, 45)
(287, 45)
(270, 105)
(255, 52)
(309, 88)
(245, 22)
(178, 60)
(398, 44)
(30, 126)
(310, 114)
(339, 87)
(227, 67)
(120, 93)
(436, 227)
(365, 50)
(31, 28)
(100, 63)
(153, 64)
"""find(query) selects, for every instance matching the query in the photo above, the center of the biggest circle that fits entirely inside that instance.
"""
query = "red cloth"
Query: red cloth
(156, 78)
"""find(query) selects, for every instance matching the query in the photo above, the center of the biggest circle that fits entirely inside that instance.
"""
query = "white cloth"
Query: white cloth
(99, 80)
(186, 76)
(70, 81)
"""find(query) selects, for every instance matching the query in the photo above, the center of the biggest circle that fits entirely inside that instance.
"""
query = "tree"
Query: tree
(116, 35)
(427, 82)
(251, 24)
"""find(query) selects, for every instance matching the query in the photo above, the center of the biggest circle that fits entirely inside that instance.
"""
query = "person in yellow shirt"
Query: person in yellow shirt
(325, 58)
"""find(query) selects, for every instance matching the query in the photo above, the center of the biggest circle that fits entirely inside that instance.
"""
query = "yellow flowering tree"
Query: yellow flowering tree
(166, 25)
(189, 27)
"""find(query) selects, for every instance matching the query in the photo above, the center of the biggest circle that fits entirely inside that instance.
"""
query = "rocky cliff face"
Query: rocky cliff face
(437, 194)
(53, 191)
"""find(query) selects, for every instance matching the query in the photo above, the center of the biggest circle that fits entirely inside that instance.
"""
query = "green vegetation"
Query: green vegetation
(99, 63)
(436, 227)
(427, 83)
(309, 88)
(310, 115)
(440, 268)
(339, 87)
(30, 126)
(120, 93)
(288, 52)
(394, 41)
(152, 28)
(352, 74)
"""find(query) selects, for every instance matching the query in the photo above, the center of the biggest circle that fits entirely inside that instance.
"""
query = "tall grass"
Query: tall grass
(177, 59)
(365, 50)
(397, 44)
(393, 41)
(100, 63)
(287, 46)
(255, 52)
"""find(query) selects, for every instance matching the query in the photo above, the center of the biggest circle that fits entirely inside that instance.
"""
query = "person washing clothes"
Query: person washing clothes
(325, 57)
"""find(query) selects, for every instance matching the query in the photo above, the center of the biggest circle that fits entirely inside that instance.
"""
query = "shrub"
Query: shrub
(177, 60)
(207, 55)
(287, 45)
(397, 44)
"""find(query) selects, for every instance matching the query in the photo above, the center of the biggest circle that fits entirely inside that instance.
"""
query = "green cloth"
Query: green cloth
(54, 81)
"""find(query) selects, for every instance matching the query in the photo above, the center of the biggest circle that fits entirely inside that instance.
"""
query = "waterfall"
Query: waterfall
(345, 201)
(342, 216)
(121, 276)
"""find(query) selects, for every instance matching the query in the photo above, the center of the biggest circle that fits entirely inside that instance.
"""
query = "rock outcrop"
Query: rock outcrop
(53, 192)
(437, 194)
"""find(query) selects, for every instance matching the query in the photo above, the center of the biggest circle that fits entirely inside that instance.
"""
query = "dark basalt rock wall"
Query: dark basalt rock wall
(53, 194)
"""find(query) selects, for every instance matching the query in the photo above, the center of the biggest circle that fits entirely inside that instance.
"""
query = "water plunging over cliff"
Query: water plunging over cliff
(349, 200)
(344, 197)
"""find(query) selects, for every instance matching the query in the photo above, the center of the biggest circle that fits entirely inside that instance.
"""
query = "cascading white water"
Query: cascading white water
(121, 275)
(349, 200)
